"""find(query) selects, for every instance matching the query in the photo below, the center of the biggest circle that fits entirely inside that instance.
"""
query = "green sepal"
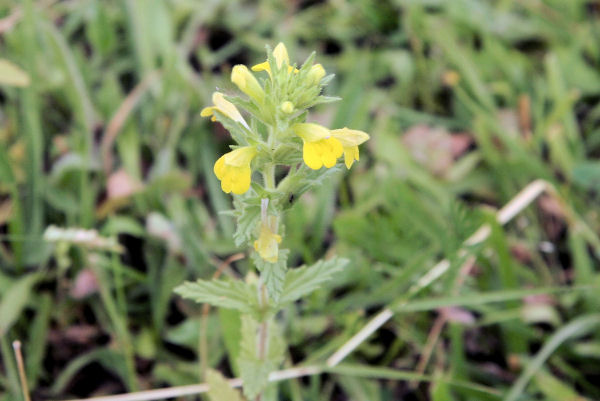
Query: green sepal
(238, 132)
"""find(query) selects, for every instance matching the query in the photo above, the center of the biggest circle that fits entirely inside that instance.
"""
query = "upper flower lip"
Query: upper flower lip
(311, 132)
(241, 156)
(350, 137)
(224, 106)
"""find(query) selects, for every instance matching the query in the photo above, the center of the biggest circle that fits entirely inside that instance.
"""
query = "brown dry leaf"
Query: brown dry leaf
(85, 284)
(521, 253)
(6, 209)
(509, 121)
(121, 185)
(551, 206)
(435, 148)
(457, 315)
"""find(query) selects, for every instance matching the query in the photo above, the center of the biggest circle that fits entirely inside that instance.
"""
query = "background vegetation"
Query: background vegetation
(466, 101)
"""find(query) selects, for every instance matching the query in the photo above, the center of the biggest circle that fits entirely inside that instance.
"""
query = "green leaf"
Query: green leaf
(247, 216)
(231, 325)
(219, 388)
(38, 332)
(109, 359)
(225, 294)
(587, 174)
(12, 75)
(581, 326)
(14, 300)
(254, 368)
(273, 274)
(304, 280)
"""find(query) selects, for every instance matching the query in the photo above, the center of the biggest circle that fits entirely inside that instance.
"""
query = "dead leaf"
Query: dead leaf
(85, 284)
(121, 185)
(435, 148)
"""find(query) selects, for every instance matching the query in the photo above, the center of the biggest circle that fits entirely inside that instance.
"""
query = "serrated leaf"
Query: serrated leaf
(304, 280)
(247, 216)
(12, 75)
(219, 388)
(231, 325)
(255, 370)
(225, 294)
(272, 274)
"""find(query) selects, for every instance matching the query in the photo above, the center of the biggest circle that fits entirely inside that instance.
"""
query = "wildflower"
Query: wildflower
(316, 74)
(281, 56)
(233, 169)
(350, 139)
(319, 148)
(243, 78)
(267, 243)
(225, 107)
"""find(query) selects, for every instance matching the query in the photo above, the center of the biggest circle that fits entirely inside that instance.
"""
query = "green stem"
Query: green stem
(263, 329)
(11, 367)
(269, 176)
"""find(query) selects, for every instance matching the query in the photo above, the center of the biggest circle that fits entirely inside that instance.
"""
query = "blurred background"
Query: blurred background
(466, 102)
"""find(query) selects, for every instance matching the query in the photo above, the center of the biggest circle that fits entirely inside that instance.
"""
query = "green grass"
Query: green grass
(518, 80)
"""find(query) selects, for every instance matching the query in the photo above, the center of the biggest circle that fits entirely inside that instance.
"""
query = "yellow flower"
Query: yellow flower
(281, 56)
(233, 169)
(267, 243)
(316, 74)
(225, 107)
(350, 139)
(243, 78)
(320, 148)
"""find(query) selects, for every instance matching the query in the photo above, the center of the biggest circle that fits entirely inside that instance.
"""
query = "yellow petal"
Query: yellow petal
(226, 184)
(262, 67)
(207, 111)
(315, 74)
(310, 132)
(219, 168)
(350, 154)
(243, 78)
(241, 177)
(281, 55)
(227, 108)
(332, 150)
(241, 156)
(350, 137)
(266, 245)
(311, 156)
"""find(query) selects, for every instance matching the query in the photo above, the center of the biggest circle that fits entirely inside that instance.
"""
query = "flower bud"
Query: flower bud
(243, 78)
(315, 74)
(287, 107)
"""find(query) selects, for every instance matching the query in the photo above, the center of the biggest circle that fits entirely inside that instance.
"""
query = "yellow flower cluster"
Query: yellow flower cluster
(321, 146)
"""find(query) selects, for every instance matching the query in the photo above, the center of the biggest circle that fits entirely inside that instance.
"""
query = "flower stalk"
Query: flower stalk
(269, 127)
